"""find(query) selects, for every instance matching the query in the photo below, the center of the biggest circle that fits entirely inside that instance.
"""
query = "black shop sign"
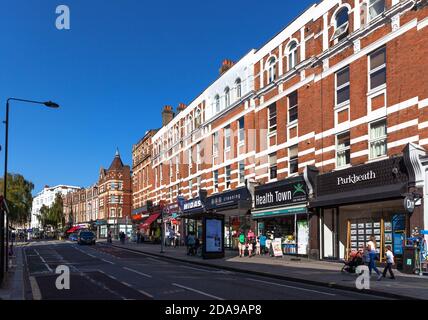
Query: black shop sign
(233, 198)
(282, 193)
(377, 174)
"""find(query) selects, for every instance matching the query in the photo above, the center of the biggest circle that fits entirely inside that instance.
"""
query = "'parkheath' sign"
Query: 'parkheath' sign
(354, 178)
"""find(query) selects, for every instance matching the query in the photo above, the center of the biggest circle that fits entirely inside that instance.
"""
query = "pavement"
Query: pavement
(13, 285)
(303, 270)
(109, 272)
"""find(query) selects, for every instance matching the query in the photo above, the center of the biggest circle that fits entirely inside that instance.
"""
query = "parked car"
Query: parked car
(73, 237)
(86, 237)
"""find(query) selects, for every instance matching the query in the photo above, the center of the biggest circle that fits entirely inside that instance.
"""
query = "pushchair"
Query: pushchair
(355, 259)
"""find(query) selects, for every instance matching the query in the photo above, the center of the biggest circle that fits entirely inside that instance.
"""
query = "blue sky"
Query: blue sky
(120, 63)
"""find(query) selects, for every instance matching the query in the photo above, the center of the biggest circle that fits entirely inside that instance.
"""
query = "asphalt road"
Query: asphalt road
(102, 272)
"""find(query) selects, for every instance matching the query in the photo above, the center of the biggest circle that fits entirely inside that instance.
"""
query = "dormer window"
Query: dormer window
(341, 24)
(292, 55)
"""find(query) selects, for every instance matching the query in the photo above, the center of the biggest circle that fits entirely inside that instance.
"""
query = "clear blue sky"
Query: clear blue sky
(112, 72)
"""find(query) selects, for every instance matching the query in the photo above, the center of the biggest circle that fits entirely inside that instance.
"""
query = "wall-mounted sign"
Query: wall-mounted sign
(409, 204)
(282, 193)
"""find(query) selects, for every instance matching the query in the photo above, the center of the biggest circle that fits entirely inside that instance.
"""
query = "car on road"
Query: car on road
(86, 237)
(73, 237)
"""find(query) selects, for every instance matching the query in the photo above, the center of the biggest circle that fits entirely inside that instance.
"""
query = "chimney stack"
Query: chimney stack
(181, 107)
(167, 115)
(226, 65)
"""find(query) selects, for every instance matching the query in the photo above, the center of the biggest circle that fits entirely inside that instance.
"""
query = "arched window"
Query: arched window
(292, 55)
(217, 103)
(272, 69)
(226, 97)
(341, 24)
(198, 118)
(189, 126)
(238, 88)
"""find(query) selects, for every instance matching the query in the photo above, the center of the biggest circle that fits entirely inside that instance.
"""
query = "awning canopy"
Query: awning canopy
(150, 220)
(283, 211)
(73, 229)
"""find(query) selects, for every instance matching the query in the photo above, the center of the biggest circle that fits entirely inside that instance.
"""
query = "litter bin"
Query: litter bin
(409, 260)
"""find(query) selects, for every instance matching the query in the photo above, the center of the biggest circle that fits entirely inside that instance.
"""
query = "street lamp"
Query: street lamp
(48, 104)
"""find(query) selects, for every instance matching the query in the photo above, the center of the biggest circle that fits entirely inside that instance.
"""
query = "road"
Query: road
(102, 272)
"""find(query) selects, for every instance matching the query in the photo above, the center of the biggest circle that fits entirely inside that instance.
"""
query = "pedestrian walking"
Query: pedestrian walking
(258, 246)
(190, 244)
(241, 244)
(250, 247)
(262, 240)
(109, 237)
(371, 248)
(389, 263)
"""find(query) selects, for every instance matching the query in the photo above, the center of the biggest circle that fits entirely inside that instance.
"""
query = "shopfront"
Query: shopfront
(191, 213)
(359, 202)
(101, 227)
(235, 207)
(150, 226)
(172, 223)
(281, 214)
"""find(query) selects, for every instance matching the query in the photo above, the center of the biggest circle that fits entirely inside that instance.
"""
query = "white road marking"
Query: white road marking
(291, 287)
(107, 261)
(43, 260)
(126, 284)
(197, 291)
(145, 293)
(37, 295)
(138, 272)
(158, 260)
(197, 269)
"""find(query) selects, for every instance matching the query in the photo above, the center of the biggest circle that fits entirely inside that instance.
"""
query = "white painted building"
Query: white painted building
(47, 197)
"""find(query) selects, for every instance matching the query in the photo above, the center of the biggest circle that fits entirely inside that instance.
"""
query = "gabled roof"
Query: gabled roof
(117, 163)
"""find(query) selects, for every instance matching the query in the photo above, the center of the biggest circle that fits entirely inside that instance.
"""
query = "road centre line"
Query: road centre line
(197, 291)
(291, 287)
(43, 260)
(138, 272)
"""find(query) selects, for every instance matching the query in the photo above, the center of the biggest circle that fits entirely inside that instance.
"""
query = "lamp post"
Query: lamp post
(4, 230)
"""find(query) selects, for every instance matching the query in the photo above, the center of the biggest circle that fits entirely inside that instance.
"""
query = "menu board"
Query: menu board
(362, 231)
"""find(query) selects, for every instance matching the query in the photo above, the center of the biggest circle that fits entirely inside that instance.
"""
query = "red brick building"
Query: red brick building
(114, 198)
(325, 126)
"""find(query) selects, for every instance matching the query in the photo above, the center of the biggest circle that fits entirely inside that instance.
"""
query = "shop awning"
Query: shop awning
(284, 211)
(362, 195)
(150, 220)
(73, 229)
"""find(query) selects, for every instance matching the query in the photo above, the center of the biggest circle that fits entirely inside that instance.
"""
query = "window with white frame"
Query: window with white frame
(293, 160)
(198, 118)
(176, 134)
(342, 86)
(177, 169)
(198, 156)
(378, 139)
(215, 144)
(228, 176)
(293, 110)
(241, 128)
(292, 55)
(198, 183)
(272, 118)
(376, 7)
(215, 180)
(226, 97)
(170, 171)
(272, 166)
(191, 186)
(341, 24)
(343, 149)
(217, 103)
(238, 88)
(241, 172)
(113, 213)
(272, 69)
(189, 127)
(227, 139)
(377, 61)
(190, 157)
(156, 177)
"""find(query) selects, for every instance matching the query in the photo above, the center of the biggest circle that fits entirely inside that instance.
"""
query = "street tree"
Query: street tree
(19, 197)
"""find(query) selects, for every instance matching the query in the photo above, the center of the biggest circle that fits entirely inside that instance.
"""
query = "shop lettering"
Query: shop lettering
(191, 205)
(270, 197)
(353, 178)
